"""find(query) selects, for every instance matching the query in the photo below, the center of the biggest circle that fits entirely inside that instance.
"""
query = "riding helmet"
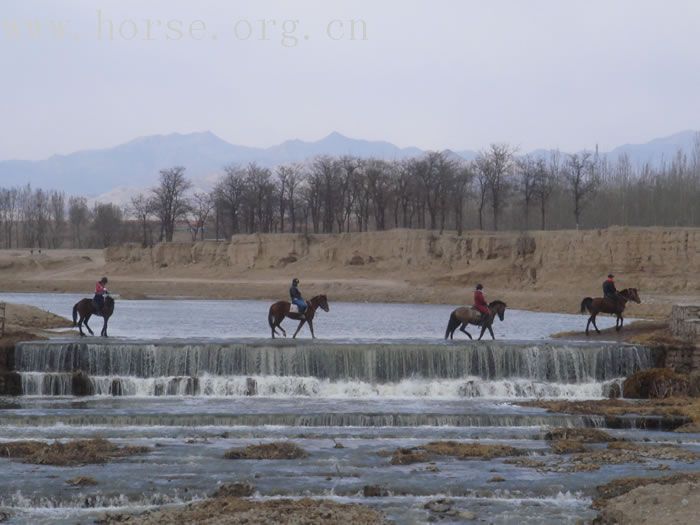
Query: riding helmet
(295, 281)
(104, 280)
(479, 286)
(611, 276)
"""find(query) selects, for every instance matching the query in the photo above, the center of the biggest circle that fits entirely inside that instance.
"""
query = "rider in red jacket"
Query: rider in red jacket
(480, 301)
(100, 292)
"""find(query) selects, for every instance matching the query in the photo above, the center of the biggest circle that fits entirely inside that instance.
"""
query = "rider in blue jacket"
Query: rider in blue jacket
(296, 297)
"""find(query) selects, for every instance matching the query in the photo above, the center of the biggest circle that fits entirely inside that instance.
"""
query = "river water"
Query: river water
(203, 318)
(191, 379)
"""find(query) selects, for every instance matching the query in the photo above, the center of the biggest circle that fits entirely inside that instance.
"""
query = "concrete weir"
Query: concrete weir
(119, 367)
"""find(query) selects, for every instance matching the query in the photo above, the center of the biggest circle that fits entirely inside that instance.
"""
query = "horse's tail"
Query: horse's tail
(452, 325)
(75, 314)
(271, 318)
(586, 304)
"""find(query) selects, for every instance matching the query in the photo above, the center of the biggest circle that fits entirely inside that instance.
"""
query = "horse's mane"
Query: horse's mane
(496, 303)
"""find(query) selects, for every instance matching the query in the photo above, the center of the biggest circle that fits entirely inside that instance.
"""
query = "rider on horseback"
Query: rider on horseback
(296, 297)
(609, 289)
(100, 292)
(480, 303)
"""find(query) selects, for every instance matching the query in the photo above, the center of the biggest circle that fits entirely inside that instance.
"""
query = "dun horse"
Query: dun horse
(608, 306)
(280, 310)
(468, 315)
(86, 308)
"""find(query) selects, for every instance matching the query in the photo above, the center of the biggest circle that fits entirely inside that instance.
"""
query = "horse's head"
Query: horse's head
(499, 307)
(631, 294)
(322, 302)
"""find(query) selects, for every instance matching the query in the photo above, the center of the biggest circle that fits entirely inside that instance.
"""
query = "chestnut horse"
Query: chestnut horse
(468, 315)
(87, 308)
(280, 310)
(608, 306)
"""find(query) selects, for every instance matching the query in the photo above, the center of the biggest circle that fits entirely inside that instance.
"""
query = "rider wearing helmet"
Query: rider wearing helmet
(296, 297)
(480, 302)
(100, 292)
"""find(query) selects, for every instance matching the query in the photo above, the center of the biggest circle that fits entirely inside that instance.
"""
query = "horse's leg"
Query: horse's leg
(463, 328)
(311, 327)
(103, 333)
(301, 323)
(620, 320)
(87, 318)
(80, 326)
(491, 332)
(483, 331)
(588, 324)
(594, 324)
(278, 324)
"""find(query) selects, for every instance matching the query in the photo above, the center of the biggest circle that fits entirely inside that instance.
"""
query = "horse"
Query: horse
(468, 315)
(280, 310)
(608, 306)
(86, 308)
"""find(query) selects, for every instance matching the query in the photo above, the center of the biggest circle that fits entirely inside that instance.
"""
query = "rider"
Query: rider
(296, 297)
(100, 292)
(480, 303)
(609, 289)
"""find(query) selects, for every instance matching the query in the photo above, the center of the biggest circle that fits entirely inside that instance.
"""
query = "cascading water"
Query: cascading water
(485, 369)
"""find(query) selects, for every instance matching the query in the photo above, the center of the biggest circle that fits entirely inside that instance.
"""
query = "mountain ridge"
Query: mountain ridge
(136, 163)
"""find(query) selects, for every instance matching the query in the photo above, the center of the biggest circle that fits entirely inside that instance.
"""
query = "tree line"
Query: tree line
(497, 190)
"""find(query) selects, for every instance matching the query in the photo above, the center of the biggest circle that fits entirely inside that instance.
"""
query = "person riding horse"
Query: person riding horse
(609, 289)
(296, 297)
(480, 303)
(100, 292)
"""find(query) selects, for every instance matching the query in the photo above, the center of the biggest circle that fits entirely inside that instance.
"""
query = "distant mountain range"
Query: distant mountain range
(135, 164)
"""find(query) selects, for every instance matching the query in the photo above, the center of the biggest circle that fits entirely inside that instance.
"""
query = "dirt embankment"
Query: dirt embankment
(547, 271)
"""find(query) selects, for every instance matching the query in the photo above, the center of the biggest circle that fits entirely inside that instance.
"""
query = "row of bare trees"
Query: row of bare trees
(497, 190)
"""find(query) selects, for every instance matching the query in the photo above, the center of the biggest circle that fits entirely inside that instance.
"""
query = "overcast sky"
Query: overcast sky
(432, 74)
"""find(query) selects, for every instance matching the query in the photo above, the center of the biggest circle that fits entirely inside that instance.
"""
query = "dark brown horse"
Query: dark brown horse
(468, 315)
(280, 310)
(608, 306)
(86, 308)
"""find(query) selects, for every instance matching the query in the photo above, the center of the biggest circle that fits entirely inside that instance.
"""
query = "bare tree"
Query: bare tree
(482, 164)
(107, 224)
(57, 221)
(169, 200)
(544, 183)
(582, 181)
(201, 205)
(78, 216)
(143, 207)
(498, 176)
(527, 175)
(459, 192)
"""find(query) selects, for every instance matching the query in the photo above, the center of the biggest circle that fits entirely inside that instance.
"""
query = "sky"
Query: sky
(433, 74)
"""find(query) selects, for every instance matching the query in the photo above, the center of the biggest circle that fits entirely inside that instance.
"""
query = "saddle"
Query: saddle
(95, 308)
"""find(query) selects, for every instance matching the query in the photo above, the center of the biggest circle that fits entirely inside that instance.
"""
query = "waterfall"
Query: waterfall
(324, 369)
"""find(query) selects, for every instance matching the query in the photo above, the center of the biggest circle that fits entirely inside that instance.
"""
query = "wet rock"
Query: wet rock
(234, 490)
(407, 456)
(497, 479)
(655, 383)
(471, 450)
(585, 435)
(10, 384)
(467, 515)
(253, 512)
(78, 452)
(525, 462)
(276, 450)
(337, 444)
(615, 391)
(81, 384)
(439, 506)
(251, 387)
(374, 491)
(4, 516)
(620, 486)
(567, 446)
(81, 481)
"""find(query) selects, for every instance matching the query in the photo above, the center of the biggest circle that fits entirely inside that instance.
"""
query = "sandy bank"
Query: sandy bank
(543, 271)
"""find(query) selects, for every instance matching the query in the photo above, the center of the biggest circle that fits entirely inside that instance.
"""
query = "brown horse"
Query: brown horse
(468, 315)
(280, 310)
(86, 308)
(608, 306)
